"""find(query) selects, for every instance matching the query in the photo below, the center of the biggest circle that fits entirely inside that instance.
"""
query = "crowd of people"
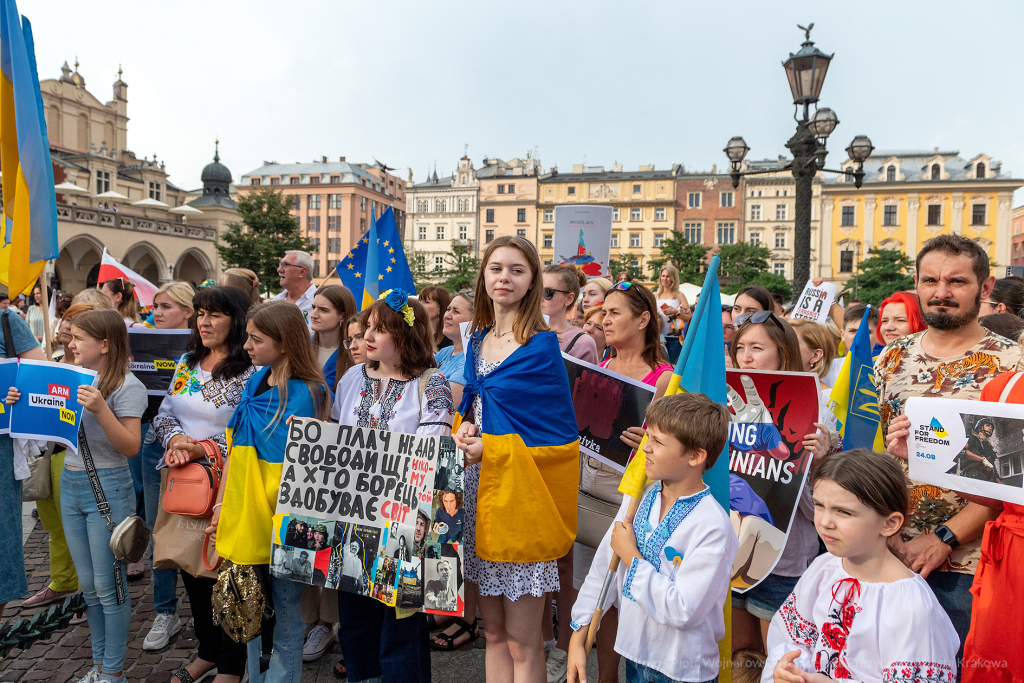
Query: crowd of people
(881, 578)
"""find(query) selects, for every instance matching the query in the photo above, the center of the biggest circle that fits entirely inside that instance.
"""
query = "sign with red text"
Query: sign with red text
(48, 409)
(814, 303)
(373, 512)
(583, 237)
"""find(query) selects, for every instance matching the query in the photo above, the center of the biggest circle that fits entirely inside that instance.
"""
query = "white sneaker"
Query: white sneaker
(319, 639)
(557, 665)
(90, 677)
(165, 627)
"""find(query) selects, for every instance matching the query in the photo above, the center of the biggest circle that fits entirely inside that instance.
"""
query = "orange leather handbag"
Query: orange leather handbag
(192, 488)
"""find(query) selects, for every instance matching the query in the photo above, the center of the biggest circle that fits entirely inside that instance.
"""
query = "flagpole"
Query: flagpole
(609, 578)
(44, 281)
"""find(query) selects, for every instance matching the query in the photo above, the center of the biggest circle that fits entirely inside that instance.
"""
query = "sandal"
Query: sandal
(184, 676)
(342, 672)
(448, 639)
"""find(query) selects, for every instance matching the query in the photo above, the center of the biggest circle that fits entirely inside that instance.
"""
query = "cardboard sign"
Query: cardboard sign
(373, 512)
(772, 412)
(583, 237)
(606, 404)
(967, 446)
(48, 409)
(814, 302)
(8, 377)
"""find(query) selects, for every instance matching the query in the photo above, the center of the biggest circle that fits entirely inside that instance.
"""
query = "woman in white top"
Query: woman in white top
(673, 308)
(397, 389)
(34, 315)
(208, 384)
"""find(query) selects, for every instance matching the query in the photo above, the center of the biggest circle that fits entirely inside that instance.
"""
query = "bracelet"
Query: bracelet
(217, 505)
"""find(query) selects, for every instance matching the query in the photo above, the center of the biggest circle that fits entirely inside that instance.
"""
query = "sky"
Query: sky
(410, 83)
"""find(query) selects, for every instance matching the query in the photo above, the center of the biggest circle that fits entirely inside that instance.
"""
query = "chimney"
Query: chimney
(577, 168)
(323, 160)
(341, 158)
(617, 168)
(714, 169)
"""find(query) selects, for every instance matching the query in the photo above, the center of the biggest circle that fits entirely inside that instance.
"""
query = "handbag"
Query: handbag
(192, 488)
(593, 515)
(244, 607)
(38, 486)
(180, 541)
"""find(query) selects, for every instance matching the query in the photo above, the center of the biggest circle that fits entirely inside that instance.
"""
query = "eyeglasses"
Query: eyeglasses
(283, 264)
(350, 340)
(549, 292)
(757, 318)
(621, 286)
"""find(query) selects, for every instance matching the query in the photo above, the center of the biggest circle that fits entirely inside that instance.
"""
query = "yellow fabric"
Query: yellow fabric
(247, 513)
(839, 403)
(634, 479)
(62, 568)
(527, 500)
(15, 270)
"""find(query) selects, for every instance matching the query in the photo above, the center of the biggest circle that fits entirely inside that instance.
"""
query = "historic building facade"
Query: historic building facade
(1017, 222)
(709, 210)
(508, 199)
(443, 213)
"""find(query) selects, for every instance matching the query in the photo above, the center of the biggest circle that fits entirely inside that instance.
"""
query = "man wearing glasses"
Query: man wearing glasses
(296, 271)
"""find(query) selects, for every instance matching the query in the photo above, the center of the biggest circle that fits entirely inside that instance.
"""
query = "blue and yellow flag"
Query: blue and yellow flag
(854, 400)
(392, 266)
(29, 202)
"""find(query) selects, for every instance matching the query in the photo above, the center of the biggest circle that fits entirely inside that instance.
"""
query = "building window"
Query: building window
(294, 180)
(571, 191)
(659, 239)
(849, 216)
(362, 226)
(634, 240)
(726, 232)
(438, 264)
(103, 182)
(1009, 466)
(296, 202)
(422, 232)
(335, 179)
(521, 215)
(439, 232)
(334, 201)
(615, 240)
(889, 217)
(362, 205)
(501, 189)
(549, 241)
(615, 215)
(463, 232)
(980, 171)
(659, 213)
(781, 211)
(693, 200)
(334, 223)
(727, 200)
(755, 212)
(935, 214)
(636, 189)
(316, 244)
(890, 174)
(846, 261)
(977, 214)
(315, 180)
(521, 232)
(691, 232)
(154, 191)
(275, 181)
(333, 245)
(313, 203)
(316, 265)
(936, 172)
(313, 223)
(511, 189)
(490, 215)
(780, 240)
(549, 215)
(634, 214)
(634, 263)
(779, 268)
(488, 236)
(755, 238)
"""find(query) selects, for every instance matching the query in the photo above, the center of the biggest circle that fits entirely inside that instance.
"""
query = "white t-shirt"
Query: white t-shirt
(305, 302)
(666, 325)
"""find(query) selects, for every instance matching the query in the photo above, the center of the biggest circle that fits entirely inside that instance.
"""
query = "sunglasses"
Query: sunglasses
(549, 292)
(758, 318)
(621, 286)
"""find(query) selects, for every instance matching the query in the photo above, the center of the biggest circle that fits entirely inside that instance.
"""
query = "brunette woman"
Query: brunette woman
(354, 341)
(561, 295)
(332, 306)
(436, 299)
(122, 292)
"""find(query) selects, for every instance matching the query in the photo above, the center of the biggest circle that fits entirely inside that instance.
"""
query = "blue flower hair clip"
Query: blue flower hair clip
(398, 300)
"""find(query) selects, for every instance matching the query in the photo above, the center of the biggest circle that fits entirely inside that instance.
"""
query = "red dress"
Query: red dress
(993, 652)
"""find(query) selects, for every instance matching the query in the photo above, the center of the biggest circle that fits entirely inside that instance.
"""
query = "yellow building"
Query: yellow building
(909, 197)
(643, 208)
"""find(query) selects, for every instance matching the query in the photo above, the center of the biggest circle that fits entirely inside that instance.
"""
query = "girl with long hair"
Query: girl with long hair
(436, 299)
(288, 384)
(451, 360)
(122, 292)
(332, 306)
(398, 388)
(111, 427)
(515, 376)
(673, 310)
(562, 286)
(817, 348)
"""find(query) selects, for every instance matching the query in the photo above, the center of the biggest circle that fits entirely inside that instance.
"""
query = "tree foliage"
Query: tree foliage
(688, 257)
(744, 264)
(460, 269)
(258, 242)
(884, 272)
(624, 263)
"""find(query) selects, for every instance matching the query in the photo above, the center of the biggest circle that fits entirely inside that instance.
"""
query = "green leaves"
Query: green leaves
(884, 272)
(744, 264)
(688, 257)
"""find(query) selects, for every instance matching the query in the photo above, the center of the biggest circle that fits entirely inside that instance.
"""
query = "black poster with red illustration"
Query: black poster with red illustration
(771, 414)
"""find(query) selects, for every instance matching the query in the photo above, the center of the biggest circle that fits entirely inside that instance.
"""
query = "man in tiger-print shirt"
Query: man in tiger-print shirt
(953, 358)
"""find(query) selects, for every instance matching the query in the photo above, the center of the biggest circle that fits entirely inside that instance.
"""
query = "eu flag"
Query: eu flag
(392, 267)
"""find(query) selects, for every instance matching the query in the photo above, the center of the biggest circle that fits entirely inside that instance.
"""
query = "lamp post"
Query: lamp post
(805, 71)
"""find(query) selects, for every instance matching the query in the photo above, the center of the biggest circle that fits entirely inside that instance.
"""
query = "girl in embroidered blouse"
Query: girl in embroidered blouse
(858, 612)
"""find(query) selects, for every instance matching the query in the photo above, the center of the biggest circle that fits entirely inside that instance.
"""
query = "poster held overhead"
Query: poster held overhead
(814, 303)
(583, 237)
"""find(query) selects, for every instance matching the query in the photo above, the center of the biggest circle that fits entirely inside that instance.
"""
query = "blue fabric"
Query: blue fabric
(390, 255)
(21, 333)
(286, 663)
(13, 584)
(953, 591)
(862, 418)
(331, 371)
(254, 413)
(650, 542)
(765, 599)
(638, 673)
(89, 542)
(165, 581)
(745, 502)
(673, 346)
(377, 645)
(135, 467)
(452, 365)
(535, 368)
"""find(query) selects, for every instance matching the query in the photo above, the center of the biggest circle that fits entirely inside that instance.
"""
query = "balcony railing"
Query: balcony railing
(125, 221)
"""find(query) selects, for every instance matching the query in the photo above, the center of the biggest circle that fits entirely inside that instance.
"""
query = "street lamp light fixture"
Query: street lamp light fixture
(806, 70)
(736, 150)
(861, 148)
(823, 123)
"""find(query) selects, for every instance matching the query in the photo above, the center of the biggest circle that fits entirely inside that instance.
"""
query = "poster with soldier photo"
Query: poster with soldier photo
(442, 582)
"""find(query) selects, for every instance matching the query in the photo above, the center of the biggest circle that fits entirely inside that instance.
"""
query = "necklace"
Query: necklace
(497, 335)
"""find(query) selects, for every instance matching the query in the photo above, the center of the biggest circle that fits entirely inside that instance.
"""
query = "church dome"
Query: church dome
(216, 172)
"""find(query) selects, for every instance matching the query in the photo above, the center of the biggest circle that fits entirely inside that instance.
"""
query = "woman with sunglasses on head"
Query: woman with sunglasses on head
(561, 295)
(436, 299)
(764, 341)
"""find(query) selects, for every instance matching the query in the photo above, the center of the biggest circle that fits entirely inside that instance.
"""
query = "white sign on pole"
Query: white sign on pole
(815, 302)
(583, 237)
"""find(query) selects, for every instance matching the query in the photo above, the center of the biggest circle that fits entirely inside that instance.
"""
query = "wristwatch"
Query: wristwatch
(946, 536)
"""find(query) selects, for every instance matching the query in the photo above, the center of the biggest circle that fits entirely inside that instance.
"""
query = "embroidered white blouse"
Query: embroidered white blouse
(871, 632)
(363, 401)
(670, 625)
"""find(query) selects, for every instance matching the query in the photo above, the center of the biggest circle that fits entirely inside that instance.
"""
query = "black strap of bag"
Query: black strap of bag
(269, 619)
(573, 342)
(101, 504)
(8, 336)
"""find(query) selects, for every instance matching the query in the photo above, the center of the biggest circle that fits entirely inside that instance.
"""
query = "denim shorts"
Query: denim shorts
(638, 673)
(765, 599)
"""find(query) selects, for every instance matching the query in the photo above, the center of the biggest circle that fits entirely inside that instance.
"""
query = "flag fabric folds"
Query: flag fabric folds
(392, 267)
(854, 400)
(110, 269)
(29, 202)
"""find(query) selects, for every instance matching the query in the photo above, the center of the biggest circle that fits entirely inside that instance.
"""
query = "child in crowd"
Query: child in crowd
(668, 629)
(858, 612)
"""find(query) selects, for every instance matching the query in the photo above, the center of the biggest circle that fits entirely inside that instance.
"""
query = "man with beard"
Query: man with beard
(953, 358)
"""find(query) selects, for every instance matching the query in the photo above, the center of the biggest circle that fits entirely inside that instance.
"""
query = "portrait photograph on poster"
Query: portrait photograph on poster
(447, 518)
(442, 587)
(399, 541)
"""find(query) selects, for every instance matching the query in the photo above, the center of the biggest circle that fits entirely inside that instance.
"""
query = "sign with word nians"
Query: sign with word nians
(8, 376)
(48, 409)
(583, 237)
(814, 302)
(967, 446)
(373, 512)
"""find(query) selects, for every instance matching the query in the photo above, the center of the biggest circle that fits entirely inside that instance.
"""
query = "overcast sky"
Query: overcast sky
(411, 82)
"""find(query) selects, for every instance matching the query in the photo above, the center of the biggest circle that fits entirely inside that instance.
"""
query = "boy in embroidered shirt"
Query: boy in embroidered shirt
(668, 629)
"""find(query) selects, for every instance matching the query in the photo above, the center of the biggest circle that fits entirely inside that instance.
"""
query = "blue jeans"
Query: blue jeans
(165, 581)
(953, 591)
(380, 647)
(674, 346)
(286, 664)
(135, 467)
(638, 673)
(13, 584)
(89, 541)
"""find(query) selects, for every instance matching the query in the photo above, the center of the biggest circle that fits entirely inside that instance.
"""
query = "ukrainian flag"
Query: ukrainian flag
(854, 399)
(29, 202)
(391, 268)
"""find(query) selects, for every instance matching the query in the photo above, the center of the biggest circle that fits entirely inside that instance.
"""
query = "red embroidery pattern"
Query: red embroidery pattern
(830, 658)
(800, 630)
(918, 672)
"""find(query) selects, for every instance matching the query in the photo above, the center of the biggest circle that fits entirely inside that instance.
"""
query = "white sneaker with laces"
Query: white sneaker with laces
(557, 665)
(90, 677)
(165, 627)
(319, 639)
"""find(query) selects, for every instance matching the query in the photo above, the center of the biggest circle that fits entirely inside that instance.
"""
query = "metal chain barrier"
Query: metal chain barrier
(24, 633)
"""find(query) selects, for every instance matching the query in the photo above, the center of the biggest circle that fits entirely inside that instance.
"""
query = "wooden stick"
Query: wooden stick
(609, 578)
(44, 281)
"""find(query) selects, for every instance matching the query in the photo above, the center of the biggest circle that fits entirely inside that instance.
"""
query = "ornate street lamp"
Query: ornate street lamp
(805, 71)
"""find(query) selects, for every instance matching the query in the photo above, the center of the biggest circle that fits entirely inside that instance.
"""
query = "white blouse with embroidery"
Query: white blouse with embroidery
(363, 401)
(871, 632)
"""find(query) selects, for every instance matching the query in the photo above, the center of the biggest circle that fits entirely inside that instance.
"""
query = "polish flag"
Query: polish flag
(110, 269)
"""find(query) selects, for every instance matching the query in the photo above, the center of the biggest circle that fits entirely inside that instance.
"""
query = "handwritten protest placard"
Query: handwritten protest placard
(48, 409)
(815, 302)
(373, 512)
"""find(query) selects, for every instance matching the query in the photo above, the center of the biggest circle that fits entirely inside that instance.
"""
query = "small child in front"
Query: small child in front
(858, 612)
(676, 553)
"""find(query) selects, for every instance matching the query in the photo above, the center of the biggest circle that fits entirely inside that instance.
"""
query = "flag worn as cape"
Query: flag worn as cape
(254, 476)
(854, 400)
(529, 475)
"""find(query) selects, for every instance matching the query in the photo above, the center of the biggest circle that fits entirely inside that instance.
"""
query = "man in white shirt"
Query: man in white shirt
(296, 271)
